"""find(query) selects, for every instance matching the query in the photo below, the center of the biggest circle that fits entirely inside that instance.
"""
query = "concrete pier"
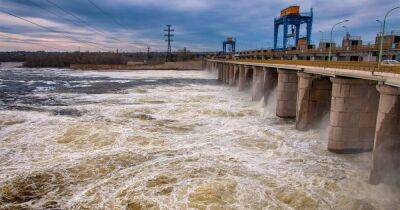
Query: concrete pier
(226, 73)
(242, 78)
(270, 82)
(354, 108)
(222, 66)
(231, 74)
(221, 69)
(286, 93)
(220, 72)
(248, 76)
(236, 74)
(258, 84)
(313, 100)
(228, 69)
(386, 154)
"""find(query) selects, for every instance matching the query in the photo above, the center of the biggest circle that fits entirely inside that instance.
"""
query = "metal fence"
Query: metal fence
(354, 65)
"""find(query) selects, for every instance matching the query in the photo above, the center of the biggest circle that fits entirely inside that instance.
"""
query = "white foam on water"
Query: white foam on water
(187, 146)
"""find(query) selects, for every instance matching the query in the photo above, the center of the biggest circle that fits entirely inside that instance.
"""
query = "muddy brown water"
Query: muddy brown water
(164, 140)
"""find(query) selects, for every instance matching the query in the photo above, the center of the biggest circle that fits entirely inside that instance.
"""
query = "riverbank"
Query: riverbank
(179, 66)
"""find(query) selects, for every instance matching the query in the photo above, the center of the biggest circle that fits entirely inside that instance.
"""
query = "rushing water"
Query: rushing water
(162, 140)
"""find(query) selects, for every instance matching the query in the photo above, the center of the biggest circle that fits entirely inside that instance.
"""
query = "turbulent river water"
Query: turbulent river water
(164, 140)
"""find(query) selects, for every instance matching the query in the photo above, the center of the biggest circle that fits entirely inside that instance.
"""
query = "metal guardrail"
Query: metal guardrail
(362, 48)
(352, 65)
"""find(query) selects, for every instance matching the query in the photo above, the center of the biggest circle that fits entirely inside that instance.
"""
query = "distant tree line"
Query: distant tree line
(13, 56)
(65, 59)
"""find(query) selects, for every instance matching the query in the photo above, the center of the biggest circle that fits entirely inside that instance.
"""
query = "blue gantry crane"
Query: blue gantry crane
(291, 17)
(232, 45)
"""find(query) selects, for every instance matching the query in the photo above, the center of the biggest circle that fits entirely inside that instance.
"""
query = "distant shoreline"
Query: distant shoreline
(176, 66)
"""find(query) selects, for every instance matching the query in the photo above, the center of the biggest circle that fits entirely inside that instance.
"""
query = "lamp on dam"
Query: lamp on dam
(383, 34)
(330, 44)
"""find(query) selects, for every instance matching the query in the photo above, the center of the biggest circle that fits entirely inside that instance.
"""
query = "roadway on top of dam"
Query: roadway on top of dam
(387, 78)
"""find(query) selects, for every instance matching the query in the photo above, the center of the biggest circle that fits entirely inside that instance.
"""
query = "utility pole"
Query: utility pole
(169, 36)
(148, 53)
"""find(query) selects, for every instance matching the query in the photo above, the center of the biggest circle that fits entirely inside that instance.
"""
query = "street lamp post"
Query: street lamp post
(322, 39)
(322, 35)
(346, 29)
(346, 36)
(330, 42)
(380, 26)
(383, 34)
(379, 34)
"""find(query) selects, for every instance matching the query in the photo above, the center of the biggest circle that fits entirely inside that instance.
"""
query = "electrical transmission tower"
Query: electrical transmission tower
(148, 53)
(169, 36)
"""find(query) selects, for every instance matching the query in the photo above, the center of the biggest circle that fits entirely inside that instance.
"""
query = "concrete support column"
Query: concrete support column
(313, 100)
(228, 68)
(257, 91)
(248, 76)
(220, 71)
(386, 154)
(221, 66)
(242, 78)
(236, 74)
(232, 74)
(270, 82)
(223, 72)
(287, 93)
(354, 108)
(227, 73)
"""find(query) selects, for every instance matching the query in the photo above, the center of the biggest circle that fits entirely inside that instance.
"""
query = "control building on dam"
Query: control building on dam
(360, 95)
(352, 49)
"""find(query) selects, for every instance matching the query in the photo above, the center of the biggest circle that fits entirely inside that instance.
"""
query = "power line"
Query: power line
(31, 42)
(86, 24)
(55, 31)
(58, 15)
(106, 13)
(37, 5)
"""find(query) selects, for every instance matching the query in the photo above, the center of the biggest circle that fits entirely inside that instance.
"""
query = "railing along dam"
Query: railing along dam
(364, 106)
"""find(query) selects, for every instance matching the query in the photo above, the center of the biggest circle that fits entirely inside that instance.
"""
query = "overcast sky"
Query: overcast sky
(200, 25)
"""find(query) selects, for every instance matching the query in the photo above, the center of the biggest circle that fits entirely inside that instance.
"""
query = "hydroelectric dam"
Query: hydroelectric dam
(364, 106)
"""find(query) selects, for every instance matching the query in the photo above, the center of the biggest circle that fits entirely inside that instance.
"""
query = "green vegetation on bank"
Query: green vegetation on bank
(66, 59)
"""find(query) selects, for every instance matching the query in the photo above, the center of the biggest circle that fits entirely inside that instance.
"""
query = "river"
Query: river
(164, 140)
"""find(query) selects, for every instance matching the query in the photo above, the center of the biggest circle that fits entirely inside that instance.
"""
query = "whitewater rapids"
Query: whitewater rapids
(164, 140)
